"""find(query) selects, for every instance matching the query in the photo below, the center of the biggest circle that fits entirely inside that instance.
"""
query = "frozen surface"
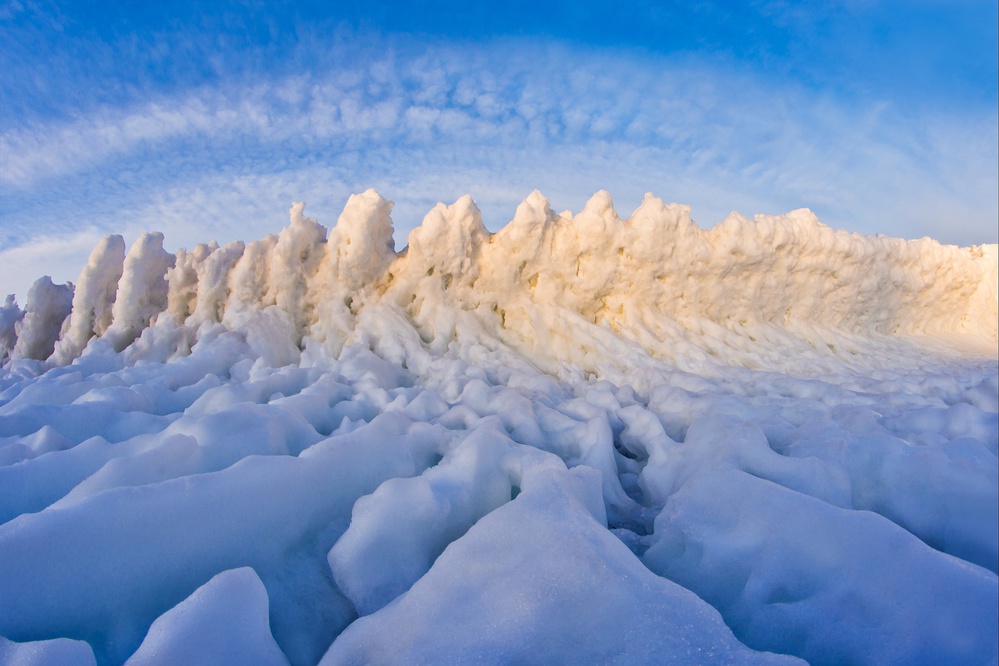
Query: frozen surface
(54, 652)
(223, 622)
(581, 438)
(542, 581)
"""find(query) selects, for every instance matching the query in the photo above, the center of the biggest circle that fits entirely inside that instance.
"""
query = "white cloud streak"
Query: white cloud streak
(51, 255)
(424, 124)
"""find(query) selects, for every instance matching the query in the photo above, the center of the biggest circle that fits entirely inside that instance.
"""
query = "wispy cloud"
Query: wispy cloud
(428, 123)
(19, 266)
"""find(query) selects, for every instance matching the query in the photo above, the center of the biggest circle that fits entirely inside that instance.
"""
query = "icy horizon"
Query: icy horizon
(579, 439)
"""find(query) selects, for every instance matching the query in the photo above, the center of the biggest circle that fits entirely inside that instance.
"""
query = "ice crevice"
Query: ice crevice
(579, 437)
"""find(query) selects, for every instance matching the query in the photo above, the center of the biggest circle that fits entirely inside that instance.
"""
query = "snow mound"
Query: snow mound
(224, 621)
(579, 439)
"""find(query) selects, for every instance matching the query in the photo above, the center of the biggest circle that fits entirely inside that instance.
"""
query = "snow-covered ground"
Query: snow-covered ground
(578, 440)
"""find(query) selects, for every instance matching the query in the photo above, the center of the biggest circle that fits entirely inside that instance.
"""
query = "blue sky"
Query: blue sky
(207, 120)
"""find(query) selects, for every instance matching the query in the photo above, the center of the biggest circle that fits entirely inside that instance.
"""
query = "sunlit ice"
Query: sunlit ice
(312, 447)
(511, 427)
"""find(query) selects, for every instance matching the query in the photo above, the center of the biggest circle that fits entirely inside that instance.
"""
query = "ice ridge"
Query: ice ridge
(734, 294)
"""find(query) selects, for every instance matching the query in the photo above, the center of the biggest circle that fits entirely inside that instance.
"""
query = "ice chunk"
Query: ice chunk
(138, 551)
(213, 284)
(10, 316)
(142, 290)
(294, 260)
(47, 307)
(93, 299)
(540, 580)
(53, 652)
(793, 574)
(396, 533)
(223, 621)
(362, 240)
(182, 279)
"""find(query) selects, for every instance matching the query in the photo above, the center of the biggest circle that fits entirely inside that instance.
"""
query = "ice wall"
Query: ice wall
(547, 285)
(93, 299)
(143, 291)
(10, 315)
(47, 307)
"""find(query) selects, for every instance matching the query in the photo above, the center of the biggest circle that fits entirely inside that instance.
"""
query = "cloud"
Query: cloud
(428, 123)
(61, 257)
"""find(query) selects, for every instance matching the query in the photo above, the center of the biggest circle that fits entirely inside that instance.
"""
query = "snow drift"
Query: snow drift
(580, 438)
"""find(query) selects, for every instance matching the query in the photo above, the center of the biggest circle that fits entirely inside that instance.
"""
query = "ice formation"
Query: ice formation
(579, 439)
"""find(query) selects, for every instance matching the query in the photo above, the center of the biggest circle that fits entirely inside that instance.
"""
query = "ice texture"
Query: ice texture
(775, 561)
(93, 299)
(47, 307)
(579, 439)
(54, 652)
(542, 581)
(10, 317)
(143, 290)
(223, 622)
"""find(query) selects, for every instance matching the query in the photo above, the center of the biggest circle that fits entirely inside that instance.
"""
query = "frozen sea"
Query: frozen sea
(582, 439)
